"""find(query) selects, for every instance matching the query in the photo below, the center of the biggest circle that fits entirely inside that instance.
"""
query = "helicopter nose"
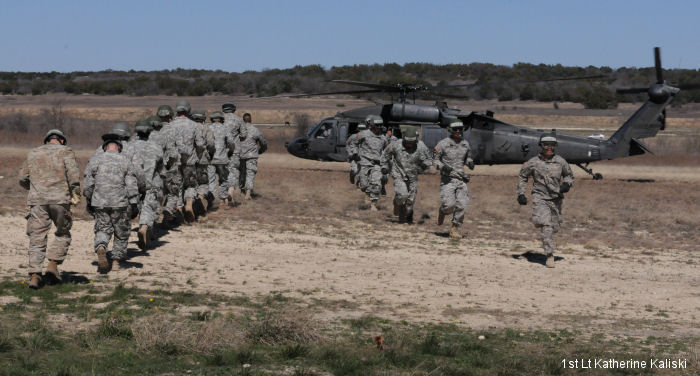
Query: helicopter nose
(297, 147)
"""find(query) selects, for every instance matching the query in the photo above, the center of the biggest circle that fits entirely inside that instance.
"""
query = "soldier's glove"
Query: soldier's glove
(385, 171)
(564, 187)
(134, 211)
(75, 199)
(446, 169)
(470, 164)
(522, 200)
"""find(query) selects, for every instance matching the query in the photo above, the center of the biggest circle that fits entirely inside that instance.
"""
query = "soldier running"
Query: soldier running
(405, 158)
(551, 178)
(370, 144)
(450, 157)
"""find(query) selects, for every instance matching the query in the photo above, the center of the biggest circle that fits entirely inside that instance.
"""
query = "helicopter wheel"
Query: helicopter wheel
(597, 176)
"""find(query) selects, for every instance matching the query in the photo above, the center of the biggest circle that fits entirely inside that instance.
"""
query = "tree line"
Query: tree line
(521, 81)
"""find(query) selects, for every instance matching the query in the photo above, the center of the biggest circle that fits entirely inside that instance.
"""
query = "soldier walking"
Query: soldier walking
(204, 159)
(169, 138)
(237, 131)
(150, 196)
(551, 178)
(192, 145)
(450, 157)
(51, 176)
(251, 146)
(405, 158)
(110, 190)
(218, 169)
(370, 144)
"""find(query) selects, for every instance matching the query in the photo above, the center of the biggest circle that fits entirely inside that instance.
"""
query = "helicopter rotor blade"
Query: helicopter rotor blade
(434, 95)
(438, 87)
(688, 86)
(657, 65)
(566, 78)
(337, 92)
(369, 84)
(632, 90)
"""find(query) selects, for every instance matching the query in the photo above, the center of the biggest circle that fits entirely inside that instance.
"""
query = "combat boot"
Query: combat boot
(102, 262)
(204, 202)
(367, 200)
(231, 193)
(454, 232)
(397, 209)
(237, 192)
(373, 206)
(550, 261)
(144, 237)
(189, 210)
(52, 272)
(441, 217)
(247, 194)
(35, 281)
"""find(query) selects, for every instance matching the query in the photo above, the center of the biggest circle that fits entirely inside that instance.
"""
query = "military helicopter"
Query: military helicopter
(492, 141)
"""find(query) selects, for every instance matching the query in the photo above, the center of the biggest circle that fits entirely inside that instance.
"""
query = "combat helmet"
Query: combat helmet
(375, 120)
(164, 111)
(108, 138)
(154, 121)
(228, 108)
(455, 126)
(183, 106)
(216, 115)
(199, 116)
(143, 126)
(122, 130)
(55, 133)
(548, 138)
(410, 134)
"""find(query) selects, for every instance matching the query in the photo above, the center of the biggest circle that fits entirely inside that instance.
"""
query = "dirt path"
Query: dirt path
(420, 277)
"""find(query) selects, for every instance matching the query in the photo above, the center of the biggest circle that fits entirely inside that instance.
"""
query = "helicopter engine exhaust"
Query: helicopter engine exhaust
(414, 112)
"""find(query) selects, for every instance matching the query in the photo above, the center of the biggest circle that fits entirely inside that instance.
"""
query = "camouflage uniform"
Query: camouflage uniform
(172, 182)
(237, 132)
(370, 147)
(405, 165)
(547, 177)
(454, 194)
(152, 167)
(110, 188)
(219, 167)
(351, 146)
(191, 147)
(250, 148)
(204, 159)
(51, 176)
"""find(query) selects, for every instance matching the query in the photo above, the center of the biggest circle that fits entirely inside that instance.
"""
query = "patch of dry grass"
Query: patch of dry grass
(169, 333)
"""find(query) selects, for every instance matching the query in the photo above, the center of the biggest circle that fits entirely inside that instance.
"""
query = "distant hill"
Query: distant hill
(520, 81)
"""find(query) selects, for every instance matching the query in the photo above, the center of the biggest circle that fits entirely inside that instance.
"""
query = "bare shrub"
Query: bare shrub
(282, 328)
(303, 122)
(166, 334)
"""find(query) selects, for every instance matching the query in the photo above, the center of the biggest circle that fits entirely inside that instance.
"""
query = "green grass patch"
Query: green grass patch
(125, 330)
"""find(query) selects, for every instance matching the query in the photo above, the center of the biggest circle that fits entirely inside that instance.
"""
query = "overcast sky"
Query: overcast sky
(253, 35)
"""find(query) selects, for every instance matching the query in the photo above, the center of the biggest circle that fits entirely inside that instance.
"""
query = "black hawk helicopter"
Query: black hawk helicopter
(492, 141)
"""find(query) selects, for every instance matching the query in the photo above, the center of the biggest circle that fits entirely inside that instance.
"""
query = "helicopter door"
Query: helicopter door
(322, 142)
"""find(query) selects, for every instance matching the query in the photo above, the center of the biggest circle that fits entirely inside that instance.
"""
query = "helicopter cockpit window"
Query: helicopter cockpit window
(324, 131)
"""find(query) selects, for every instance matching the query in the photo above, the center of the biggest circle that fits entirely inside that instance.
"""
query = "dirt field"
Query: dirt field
(628, 251)
(627, 264)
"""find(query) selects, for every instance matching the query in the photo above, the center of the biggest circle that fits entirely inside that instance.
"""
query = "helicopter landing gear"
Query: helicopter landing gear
(596, 175)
